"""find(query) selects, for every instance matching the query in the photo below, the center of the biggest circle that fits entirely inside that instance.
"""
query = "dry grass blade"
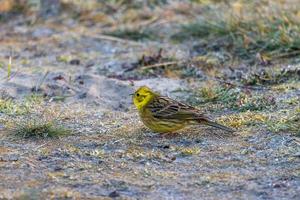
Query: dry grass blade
(160, 65)
(40, 82)
(9, 67)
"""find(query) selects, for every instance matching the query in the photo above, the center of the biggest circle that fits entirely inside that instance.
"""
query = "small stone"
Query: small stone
(42, 158)
(82, 95)
(114, 194)
(173, 158)
(278, 185)
(57, 168)
(75, 62)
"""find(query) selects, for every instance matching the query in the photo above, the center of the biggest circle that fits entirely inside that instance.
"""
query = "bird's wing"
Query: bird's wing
(166, 108)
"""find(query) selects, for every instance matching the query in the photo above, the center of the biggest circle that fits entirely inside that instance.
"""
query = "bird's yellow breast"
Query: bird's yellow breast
(160, 125)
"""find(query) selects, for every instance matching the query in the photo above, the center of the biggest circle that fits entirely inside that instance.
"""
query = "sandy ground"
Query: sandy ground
(110, 154)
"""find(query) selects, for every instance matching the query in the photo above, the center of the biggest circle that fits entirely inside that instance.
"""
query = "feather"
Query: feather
(164, 108)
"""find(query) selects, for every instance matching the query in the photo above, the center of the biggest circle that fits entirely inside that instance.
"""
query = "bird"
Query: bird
(165, 115)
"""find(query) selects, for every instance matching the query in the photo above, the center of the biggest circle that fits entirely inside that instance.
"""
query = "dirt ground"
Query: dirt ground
(65, 70)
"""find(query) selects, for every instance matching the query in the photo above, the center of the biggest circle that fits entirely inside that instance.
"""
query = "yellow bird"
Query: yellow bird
(162, 114)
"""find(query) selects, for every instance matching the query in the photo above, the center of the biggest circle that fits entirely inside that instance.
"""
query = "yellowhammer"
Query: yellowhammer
(162, 114)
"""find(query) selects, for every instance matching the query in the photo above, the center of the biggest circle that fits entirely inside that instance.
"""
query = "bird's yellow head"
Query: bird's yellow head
(142, 97)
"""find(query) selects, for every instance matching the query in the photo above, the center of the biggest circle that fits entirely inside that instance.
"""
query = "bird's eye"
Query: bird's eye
(137, 94)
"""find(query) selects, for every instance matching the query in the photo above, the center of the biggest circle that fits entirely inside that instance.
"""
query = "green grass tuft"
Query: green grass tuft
(39, 128)
(31, 118)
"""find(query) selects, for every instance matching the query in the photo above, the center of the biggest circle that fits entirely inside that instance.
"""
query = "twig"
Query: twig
(159, 65)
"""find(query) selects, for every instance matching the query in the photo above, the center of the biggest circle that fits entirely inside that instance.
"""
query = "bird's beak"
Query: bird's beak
(131, 94)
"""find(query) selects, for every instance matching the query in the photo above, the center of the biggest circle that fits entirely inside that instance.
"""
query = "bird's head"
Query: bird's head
(142, 97)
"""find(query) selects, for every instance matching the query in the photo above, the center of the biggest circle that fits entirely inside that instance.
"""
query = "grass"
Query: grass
(132, 34)
(39, 122)
(12, 107)
(188, 151)
(39, 128)
(218, 93)
(243, 119)
(31, 118)
(9, 107)
(247, 28)
(64, 58)
(235, 98)
(9, 67)
(272, 76)
(285, 121)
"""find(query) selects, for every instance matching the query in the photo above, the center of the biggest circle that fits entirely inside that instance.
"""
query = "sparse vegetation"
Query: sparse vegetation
(68, 129)
(38, 128)
(30, 119)
(12, 107)
(247, 28)
(189, 151)
(236, 98)
(244, 119)
(137, 35)
(8, 106)
(285, 121)
(272, 76)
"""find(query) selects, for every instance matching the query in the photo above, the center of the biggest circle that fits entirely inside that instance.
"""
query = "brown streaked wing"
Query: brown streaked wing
(166, 108)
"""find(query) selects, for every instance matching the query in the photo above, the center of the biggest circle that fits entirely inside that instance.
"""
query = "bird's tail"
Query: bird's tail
(216, 125)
